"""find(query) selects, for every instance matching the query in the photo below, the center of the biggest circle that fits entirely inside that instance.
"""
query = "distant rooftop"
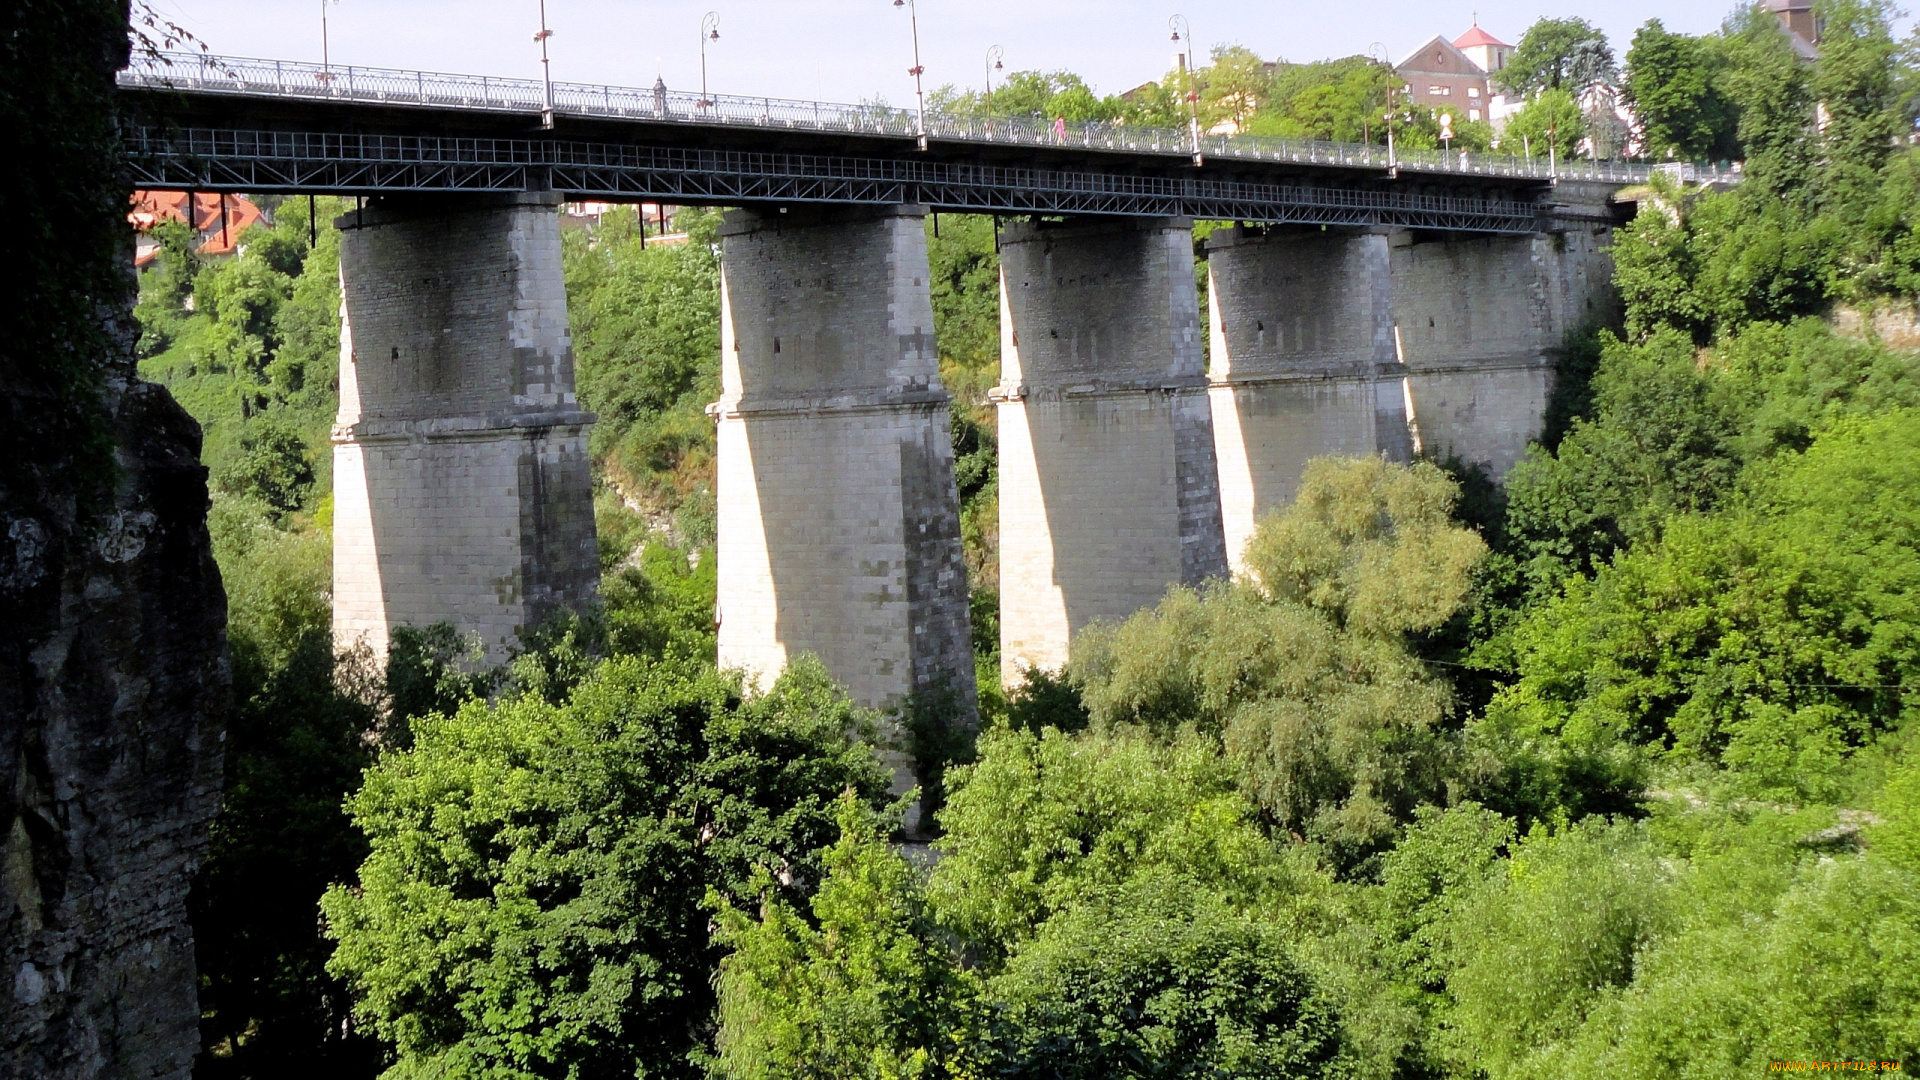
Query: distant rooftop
(1477, 36)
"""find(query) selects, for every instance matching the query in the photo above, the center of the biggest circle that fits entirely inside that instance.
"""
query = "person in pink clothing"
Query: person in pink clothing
(1060, 128)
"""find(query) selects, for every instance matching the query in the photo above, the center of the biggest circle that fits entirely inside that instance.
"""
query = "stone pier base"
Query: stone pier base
(1303, 362)
(1109, 491)
(462, 485)
(839, 520)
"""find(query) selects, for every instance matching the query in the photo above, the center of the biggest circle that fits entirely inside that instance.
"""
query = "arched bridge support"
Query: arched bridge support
(1109, 492)
(838, 516)
(462, 487)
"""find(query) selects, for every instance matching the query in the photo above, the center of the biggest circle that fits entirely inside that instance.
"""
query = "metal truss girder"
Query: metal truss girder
(217, 159)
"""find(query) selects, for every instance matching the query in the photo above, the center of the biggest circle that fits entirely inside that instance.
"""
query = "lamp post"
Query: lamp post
(993, 64)
(709, 31)
(1379, 52)
(546, 69)
(326, 53)
(919, 92)
(1184, 32)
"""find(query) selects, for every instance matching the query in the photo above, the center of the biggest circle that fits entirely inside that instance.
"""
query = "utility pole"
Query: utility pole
(546, 69)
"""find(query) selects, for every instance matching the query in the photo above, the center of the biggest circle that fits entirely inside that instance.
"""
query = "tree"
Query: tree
(534, 898)
(1855, 85)
(1769, 87)
(1534, 945)
(645, 321)
(1672, 86)
(1158, 980)
(860, 990)
(1234, 87)
(1552, 119)
(1043, 821)
(1305, 671)
(1557, 54)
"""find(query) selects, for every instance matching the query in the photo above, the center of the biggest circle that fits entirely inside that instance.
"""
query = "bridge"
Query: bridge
(1362, 302)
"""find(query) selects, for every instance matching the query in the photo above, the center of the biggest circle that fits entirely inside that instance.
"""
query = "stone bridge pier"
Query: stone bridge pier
(838, 516)
(1108, 487)
(1303, 361)
(1387, 341)
(462, 487)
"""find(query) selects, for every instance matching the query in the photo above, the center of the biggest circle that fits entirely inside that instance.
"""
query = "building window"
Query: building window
(1473, 114)
(1439, 91)
(1473, 91)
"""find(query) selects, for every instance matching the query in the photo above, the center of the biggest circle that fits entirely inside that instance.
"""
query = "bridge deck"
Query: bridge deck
(214, 123)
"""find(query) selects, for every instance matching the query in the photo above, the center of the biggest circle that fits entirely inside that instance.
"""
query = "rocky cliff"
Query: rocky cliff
(113, 676)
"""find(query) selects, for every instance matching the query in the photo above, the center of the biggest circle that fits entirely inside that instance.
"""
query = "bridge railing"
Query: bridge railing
(391, 86)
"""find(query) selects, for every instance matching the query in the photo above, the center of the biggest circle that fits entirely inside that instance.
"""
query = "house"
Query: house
(1485, 50)
(1442, 75)
(217, 222)
(1803, 27)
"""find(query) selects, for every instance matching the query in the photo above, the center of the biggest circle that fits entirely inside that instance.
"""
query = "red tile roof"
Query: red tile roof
(1477, 36)
(150, 208)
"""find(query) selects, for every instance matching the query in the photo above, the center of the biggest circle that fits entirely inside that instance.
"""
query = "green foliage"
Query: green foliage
(1049, 95)
(1341, 100)
(295, 747)
(965, 261)
(858, 991)
(664, 605)
(646, 323)
(272, 469)
(1557, 54)
(534, 898)
(1551, 120)
(1672, 84)
(1532, 947)
(1308, 676)
(1044, 821)
(1772, 639)
(1157, 980)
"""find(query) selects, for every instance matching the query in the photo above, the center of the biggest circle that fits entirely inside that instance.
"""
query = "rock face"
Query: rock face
(113, 671)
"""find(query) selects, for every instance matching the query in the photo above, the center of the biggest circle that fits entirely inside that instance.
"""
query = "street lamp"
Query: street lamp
(1379, 52)
(326, 54)
(1184, 32)
(546, 69)
(993, 64)
(709, 31)
(919, 92)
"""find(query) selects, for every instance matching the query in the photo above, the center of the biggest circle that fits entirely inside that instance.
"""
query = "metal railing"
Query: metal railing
(199, 73)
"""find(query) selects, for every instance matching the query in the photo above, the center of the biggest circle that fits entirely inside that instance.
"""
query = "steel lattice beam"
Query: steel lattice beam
(237, 160)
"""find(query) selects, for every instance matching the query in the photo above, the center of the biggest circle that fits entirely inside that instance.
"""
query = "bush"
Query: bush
(534, 900)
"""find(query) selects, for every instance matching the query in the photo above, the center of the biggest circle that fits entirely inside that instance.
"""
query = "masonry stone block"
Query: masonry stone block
(1109, 488)
(838, 516)
(1479, 319)
(1303, 362)
(462, 484)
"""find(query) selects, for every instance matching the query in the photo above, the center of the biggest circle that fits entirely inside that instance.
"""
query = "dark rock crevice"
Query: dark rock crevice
(113, 672)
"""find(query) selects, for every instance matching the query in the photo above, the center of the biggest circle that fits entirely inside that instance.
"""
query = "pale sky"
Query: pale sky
(850, 50)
